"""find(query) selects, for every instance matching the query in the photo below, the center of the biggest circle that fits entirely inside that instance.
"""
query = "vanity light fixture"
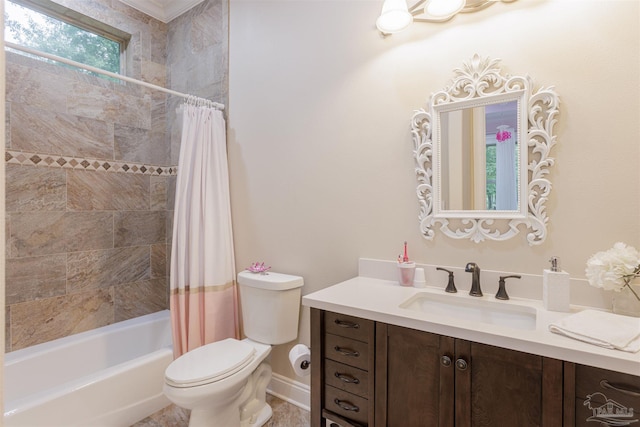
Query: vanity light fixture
(396, 15)
(443, 9)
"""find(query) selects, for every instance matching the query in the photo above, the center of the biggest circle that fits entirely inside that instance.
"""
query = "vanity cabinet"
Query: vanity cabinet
(594, 395)
(368, 373)
(342, 379)
(429, 379)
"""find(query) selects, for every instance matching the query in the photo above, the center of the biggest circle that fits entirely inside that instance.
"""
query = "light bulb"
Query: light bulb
(443, 8)
(394, 17)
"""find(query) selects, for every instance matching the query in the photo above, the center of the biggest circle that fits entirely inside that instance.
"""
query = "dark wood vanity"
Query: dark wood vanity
(368, 373)
(619, 391)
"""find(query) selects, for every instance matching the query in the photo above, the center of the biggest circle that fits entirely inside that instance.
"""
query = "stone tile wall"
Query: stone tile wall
(91, 173)
(198, 58)
(88, 188)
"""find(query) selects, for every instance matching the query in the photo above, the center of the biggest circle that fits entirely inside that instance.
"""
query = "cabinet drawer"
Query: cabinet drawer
(623, 389)
(346, 404)
(347, 378)
(348, 326)
(347, 351)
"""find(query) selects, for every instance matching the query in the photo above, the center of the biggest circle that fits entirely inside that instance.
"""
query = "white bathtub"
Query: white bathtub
(110, 376)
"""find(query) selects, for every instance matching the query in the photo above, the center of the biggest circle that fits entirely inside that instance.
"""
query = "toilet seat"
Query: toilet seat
(209, 363)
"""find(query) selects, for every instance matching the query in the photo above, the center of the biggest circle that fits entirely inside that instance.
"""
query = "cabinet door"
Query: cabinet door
(500, 387)
(414, 384)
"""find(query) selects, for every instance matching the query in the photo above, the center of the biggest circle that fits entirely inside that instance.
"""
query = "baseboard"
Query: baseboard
(290, 391)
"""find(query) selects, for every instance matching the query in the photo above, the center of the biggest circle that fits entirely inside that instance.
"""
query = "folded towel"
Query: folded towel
(600, 328)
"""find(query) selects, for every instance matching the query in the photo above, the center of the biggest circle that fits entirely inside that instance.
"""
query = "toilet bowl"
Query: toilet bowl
(224, 383)
(220, 381)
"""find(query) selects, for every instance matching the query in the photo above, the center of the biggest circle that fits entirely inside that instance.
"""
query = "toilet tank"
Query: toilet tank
(270, 306)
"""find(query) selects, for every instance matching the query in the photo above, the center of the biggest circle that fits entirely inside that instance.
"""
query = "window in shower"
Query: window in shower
(51, 28)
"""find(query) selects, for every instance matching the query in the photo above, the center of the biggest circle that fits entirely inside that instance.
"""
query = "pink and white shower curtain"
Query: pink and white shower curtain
(203, 294)
(506, 172)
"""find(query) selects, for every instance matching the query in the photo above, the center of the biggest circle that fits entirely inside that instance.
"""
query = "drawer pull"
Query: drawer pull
(347, 406)
(346, 324)
(347, 378)
(606, 384)
(346, 351)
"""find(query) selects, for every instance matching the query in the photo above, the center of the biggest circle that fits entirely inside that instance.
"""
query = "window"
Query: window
(54, 29)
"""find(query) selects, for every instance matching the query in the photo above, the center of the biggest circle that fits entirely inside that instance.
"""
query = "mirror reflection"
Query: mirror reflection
(480, 158)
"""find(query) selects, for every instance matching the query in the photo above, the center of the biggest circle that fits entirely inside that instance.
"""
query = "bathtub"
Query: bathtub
(110, 376)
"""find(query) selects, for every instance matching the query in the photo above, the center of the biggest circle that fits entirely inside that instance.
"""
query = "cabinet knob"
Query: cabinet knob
(445, 360)
(461, 364)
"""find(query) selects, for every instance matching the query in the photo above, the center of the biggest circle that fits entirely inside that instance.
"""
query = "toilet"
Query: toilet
(224, 383)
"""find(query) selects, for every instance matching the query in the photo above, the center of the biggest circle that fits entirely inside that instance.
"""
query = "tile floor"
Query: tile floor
(284, 415)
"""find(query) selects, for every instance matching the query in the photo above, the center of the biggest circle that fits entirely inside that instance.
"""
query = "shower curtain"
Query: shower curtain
(203, 294)
(506, 177)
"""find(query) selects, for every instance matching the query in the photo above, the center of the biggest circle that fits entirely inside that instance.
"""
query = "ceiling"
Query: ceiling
(162, 10)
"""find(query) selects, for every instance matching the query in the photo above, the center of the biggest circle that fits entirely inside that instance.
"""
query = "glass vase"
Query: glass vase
(626, 303)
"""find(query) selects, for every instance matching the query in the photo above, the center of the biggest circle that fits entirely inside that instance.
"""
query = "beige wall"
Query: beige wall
(320, 149)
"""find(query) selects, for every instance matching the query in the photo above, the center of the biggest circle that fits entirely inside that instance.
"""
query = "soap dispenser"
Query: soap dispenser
(556, 287)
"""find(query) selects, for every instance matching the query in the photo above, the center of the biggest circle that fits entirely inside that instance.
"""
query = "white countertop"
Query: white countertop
(379, 300)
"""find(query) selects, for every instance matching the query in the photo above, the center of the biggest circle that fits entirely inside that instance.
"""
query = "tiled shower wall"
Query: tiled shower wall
(88, 188)
(89, 174)
(198, 57)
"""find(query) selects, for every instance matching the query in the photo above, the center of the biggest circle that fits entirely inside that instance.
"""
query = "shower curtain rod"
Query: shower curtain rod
(114, 75)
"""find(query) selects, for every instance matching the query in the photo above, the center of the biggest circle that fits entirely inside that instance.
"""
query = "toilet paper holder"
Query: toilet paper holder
(306, 363)
(300, 359)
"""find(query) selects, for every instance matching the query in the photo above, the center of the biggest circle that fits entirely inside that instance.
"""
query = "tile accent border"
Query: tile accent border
(71, 162)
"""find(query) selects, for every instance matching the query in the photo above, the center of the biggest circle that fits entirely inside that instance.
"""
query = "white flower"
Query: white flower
(607, 270)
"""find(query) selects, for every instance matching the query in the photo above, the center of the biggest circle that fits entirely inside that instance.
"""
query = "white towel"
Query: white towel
(601, 328)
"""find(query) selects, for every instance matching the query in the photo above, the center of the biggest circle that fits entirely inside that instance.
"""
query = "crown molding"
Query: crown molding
(162, 10)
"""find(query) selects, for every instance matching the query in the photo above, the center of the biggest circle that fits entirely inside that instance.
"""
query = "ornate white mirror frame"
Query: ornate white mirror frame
(480, 83)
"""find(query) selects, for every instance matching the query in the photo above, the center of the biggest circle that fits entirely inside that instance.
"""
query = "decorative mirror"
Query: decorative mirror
(482, 152)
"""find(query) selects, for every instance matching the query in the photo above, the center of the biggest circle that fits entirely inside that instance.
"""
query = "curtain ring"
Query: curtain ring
(200, 102)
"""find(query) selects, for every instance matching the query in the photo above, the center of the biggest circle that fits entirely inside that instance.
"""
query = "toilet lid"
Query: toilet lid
(209, 363)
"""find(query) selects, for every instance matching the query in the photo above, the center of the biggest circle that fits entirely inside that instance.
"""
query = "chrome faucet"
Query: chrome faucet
(473, 268)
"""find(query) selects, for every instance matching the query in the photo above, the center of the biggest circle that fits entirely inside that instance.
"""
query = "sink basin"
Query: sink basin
(473, 309)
